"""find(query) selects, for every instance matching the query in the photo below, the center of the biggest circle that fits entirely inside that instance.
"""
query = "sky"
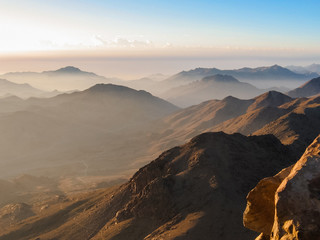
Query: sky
(125, 37)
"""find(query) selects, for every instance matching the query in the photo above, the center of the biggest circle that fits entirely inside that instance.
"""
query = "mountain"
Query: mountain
(211, 87)
(294, 121)
(69, 70)
(8, 88)
(230, 114)
(273, 73)
(313, 68)
(308, 89)
(286, 206)
(197, 189)
(63, 79)
(79, 133)
(299, 126)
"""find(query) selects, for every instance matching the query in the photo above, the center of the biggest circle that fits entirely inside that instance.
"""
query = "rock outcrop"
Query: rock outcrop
(287, 206)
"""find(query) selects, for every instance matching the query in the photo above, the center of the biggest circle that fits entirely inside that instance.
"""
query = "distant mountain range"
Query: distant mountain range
(71, 78)
(24, 90)
(211, 87)
(63, 79)
(274, 73)
(313, 68)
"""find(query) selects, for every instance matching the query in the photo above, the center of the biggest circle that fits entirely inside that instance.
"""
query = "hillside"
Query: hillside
(291, 120)
(308, 89)
(197, 189)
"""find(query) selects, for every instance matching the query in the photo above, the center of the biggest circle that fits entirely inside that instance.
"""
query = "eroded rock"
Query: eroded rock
(287, 206)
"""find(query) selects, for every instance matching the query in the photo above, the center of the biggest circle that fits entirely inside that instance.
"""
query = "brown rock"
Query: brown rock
(259, 213)
(296, 201)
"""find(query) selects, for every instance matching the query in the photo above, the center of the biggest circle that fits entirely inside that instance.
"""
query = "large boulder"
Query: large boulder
(287, 206)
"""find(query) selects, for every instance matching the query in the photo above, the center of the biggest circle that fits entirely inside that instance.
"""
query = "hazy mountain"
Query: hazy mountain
(313, 68)
(262, 77)
(197, 189)
(96, 130)
(308, 89)
(274, 72)
(211, 87)
(69, 70)
(8, 88)
(63, 79)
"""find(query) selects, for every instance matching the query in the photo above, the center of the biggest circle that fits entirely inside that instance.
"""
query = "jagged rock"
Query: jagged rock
(292, 211)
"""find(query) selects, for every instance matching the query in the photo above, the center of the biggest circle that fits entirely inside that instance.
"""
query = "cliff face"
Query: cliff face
(287, 206)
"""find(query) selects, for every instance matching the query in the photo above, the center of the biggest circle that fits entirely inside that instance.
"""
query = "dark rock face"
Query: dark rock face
(293, 198)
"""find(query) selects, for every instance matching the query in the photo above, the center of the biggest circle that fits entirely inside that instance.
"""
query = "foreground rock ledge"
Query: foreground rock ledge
(287, 206)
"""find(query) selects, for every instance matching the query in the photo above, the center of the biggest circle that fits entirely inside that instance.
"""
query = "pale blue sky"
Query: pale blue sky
(83, 24)
(226, 33)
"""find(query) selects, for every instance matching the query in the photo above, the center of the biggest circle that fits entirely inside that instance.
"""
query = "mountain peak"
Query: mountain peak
(276, 66)
(270, 99)
(69, 69)
(101, 87)
(220, 78)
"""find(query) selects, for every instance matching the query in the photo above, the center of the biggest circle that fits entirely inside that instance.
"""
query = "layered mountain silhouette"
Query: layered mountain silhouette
(211, 87)
(66, 131)
(313, 68)
(24, 90)
(291, 120)
(193, 190)
(274, 72)
(63, 79)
